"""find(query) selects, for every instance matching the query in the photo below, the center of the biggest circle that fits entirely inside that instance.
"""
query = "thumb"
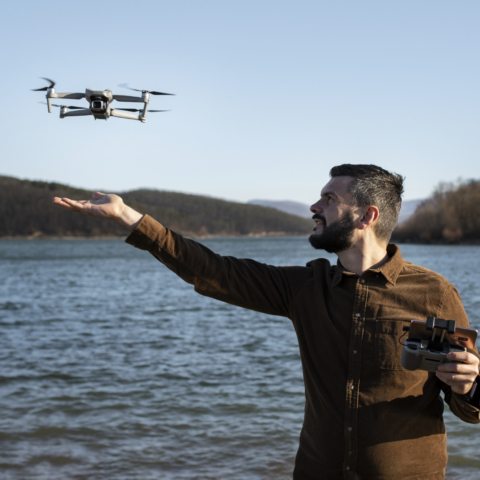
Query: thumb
(98, 195)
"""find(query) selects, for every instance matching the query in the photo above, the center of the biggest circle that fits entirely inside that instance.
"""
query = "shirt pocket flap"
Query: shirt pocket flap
(388, 350)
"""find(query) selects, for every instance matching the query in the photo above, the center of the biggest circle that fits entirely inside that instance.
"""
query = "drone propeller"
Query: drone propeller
(135, 110)
(66, 106)
(125, 85)
(44, 89)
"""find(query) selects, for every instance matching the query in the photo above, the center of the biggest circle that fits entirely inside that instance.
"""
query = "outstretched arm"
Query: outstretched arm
(103, 205)
(242, 282)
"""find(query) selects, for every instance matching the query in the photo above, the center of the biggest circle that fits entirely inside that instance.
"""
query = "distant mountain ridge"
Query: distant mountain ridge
(303, 210)
(408, 209)
(26, 210)
(287, 206)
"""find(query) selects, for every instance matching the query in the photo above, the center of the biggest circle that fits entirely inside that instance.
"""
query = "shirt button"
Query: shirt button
(350, 429)
(347, 468)
(362, 281)
(358, 315)
(354, 352)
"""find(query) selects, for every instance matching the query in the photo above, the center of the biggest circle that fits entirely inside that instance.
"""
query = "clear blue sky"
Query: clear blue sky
(269, 94)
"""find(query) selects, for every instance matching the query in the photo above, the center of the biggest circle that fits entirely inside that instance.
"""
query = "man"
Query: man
(365, 417)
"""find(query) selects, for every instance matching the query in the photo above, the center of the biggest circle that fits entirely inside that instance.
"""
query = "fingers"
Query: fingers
(69, 204)
(462, 388)
(61, 203)
(468, 363)
(457, 368)
(466, 357)
(455, 377)
(459, 376)
(460, 382)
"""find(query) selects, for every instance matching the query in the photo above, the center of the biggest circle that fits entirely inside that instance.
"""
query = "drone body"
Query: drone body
(100, 103)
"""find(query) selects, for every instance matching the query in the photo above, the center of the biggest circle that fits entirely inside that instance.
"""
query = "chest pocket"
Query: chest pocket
(388, 350)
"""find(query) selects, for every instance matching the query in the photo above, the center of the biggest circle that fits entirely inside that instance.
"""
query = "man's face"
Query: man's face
(334, 223)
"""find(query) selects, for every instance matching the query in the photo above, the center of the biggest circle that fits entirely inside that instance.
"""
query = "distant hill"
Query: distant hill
(408, 209)
(303, 210)
(287, 206)
(26, 210)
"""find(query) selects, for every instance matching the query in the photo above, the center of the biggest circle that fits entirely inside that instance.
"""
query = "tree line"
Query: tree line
(451, 215)
(26, 210)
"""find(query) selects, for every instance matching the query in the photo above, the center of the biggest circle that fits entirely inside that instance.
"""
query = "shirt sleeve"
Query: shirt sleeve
(452, 309)
(242, 282)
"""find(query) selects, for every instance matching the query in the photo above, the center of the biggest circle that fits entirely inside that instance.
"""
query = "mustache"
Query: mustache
(317, 216)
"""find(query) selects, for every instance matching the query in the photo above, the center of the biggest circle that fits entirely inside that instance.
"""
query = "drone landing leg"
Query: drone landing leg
(76, 113)
(50, 92)
(143, 114)
(130, 116)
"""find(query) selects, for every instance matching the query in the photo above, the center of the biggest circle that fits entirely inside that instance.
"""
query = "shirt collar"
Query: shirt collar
(390, 269)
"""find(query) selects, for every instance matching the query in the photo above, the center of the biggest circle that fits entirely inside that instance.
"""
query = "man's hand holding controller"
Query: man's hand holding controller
(439, 346)
(461, 373)
(103, 205)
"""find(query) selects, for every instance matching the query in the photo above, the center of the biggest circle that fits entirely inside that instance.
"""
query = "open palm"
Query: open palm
(102, 205)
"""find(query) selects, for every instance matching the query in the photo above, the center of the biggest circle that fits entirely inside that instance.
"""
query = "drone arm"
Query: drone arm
(119, 114)
(71, 96)
(75, 113)
(128, 98)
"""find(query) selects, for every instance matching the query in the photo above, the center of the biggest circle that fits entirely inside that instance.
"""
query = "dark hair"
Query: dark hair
(373, 185)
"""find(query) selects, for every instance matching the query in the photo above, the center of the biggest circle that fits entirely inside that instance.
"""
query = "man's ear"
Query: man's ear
(369, 217)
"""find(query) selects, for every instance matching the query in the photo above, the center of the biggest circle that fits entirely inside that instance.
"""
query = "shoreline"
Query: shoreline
(123, 237)
(39, 237)
(435, 242)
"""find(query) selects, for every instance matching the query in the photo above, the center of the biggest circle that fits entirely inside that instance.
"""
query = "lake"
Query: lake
(113, 368)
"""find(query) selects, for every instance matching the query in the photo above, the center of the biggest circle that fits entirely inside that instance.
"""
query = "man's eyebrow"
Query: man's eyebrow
(332, 193)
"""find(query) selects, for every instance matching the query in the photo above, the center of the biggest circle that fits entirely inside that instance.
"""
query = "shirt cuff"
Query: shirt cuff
(145, 233)
(467, 404)
(473, 397)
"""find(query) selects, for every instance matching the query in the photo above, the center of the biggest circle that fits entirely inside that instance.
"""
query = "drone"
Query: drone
(100, 103)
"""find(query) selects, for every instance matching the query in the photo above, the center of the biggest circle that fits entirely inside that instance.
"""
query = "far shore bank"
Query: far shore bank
(207, 237)
(123, 237)
(436, 242)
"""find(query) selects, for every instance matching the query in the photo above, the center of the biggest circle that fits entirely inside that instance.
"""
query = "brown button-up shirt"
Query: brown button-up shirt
(365, 416)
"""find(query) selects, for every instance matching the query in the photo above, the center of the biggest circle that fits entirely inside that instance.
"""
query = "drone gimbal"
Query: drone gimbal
(100, 101)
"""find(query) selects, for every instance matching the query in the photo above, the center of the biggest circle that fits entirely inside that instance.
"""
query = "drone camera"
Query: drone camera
(98, 105)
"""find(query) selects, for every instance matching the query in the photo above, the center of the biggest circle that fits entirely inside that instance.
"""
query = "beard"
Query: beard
(336, 237)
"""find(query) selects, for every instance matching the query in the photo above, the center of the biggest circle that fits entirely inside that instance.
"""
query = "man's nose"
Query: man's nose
(316, 208)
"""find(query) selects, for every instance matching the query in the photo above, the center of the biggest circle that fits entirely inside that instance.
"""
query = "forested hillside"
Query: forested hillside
(451, 215)
(26, 210)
